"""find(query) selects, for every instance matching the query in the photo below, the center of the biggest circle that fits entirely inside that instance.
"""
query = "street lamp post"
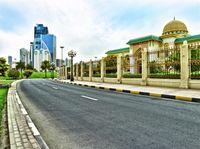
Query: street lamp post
(71, 54)
(61, 55)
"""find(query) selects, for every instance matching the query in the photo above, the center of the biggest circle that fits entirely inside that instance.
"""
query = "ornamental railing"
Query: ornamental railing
(194, 62)
(131, 66)
(164, 63)
(96, 67)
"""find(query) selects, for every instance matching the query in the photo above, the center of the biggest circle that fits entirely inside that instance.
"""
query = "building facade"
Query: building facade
(10, 61)
(43, 47)
(174, 34)
(25, 56)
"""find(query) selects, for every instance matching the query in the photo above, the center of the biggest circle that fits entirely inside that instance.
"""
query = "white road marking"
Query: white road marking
(54, 87)
(89, 98)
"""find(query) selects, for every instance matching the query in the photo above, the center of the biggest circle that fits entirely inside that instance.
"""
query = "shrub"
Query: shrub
(28, 73)
(13, 73)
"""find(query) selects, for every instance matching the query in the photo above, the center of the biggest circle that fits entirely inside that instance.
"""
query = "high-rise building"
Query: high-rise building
(10, 61)
(40, 30)
(25, 56)
(49, 43)
(44, 43)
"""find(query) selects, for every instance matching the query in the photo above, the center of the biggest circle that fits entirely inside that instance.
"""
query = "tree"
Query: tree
(20, 65)
(111, 64)
(13, 73)
(45, 66)
(52, 68)
(29, 67)
(3, 66)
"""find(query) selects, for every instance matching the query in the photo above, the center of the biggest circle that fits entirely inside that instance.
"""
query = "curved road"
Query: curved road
(73, 117)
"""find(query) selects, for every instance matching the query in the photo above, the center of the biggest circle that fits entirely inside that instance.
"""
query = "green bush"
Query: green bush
(27, 73)
(97, 75)
(13, 73)
(130, 75)
(111, 75)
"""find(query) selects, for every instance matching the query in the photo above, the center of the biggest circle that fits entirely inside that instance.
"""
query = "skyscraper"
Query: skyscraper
(43, 47)
(10, 61)
(25, 56)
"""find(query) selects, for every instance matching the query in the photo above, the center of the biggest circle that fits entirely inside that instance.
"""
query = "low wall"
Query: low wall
(111, 80)
(85, 78)
(194, 84)
(164, 82)
(174, 83)
(132, 81)
(96, 79)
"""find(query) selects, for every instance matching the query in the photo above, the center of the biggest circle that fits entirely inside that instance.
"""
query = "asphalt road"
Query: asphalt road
(74, 117)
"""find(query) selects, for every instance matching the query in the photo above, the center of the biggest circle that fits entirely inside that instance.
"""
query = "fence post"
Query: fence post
(102, 69)
(81, 70)
(144, 67)
(77, 71)
(119, 68)
(184, 62)
(90, 71)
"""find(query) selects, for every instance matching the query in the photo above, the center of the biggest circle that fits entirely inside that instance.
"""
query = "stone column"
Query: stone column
(81, 70)
(119, 68)
(144, 67)
(77, 71)
(103, 70)
(90, 71)
(184, 62)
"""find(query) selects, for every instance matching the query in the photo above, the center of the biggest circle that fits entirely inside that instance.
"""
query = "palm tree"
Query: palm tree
(45, 65)
(20, 65)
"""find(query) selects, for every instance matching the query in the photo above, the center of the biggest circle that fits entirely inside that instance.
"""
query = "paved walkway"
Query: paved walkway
(173, 93)
(20, 134)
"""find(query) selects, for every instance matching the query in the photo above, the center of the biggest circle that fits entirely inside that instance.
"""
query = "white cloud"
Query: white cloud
(87, 26)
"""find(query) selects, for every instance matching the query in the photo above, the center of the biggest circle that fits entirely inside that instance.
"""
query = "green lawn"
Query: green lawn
(42, 75)
(6, 81)
(3, 94)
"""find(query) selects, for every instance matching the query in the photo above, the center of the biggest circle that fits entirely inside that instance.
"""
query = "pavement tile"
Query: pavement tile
(20, 134)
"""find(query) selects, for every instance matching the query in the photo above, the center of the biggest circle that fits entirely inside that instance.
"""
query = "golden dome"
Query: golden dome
(174, 27)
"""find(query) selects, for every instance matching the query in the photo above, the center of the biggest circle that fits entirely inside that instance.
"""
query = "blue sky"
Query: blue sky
(91, 27)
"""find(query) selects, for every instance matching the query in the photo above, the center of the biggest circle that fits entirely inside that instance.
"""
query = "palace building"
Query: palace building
(174, 34)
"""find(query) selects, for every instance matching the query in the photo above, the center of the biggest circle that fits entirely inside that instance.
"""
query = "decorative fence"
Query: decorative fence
(111, 66)
(194, 62)
(96, 67)
(180, 65)
(131, 68)
(164, 63)
(86, 69)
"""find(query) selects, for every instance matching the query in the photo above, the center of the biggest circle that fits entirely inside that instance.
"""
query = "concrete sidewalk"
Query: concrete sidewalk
(191, 95)
(20, 126)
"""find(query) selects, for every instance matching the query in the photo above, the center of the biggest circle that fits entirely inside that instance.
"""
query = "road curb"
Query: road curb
(174, 97)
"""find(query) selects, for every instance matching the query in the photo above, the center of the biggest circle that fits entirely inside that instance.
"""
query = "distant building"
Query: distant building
(24, 56)
(58, 62)
(10, 61)
(44, 44)
(48, 42)
(67, 62)
(39, 57)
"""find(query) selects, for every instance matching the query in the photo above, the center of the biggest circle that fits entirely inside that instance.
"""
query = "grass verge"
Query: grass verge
(42, 75)
(3, 94)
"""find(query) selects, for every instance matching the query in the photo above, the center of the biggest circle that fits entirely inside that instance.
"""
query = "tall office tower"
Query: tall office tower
(31, 53)
(49, 43)
(10, 61)
(44, 43)
(25, 56)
